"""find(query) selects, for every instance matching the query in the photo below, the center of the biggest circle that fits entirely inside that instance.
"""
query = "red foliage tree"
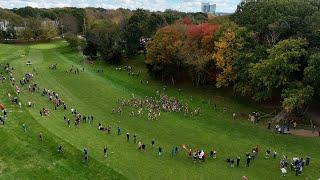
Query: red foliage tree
(186, 20)
(201, 30)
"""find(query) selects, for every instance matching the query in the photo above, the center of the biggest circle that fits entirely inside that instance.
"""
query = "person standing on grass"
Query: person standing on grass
(248, 160)
(274, 154)
(91, 118)
(173, 152)
(140, 145)
(85, 160)
(143, 147)
(41, 136)
(69, 123)
(308, 160)
(177, 150)
(234, 116)
(85, 151)
(24, 127)
(128, 137)
(86, 156)
(119, 131)
(269, 125)
(153, 142)
(160, 151)
(5, 113)
(135, 138)
(60, 149)
(105, 151)
(238, 161)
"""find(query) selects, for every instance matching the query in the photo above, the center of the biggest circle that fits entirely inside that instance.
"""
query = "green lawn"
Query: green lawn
(24, 156)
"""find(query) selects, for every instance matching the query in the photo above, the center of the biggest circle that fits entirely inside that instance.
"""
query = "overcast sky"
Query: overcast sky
(181, 5)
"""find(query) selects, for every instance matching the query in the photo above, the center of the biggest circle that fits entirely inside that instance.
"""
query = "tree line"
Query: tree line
(114, 34)
(266, 50)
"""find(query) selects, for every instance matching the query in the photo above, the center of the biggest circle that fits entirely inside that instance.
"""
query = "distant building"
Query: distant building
(52, 23)
(4, 25)
(222, 14)
(19, 28)
(208, 8)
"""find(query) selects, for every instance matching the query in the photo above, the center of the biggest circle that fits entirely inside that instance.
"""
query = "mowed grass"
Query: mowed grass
(95, 93)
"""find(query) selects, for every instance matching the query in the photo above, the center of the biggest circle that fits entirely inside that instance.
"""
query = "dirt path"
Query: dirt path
(304, 133)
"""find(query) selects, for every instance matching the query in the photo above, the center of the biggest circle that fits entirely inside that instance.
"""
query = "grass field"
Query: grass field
(23, 156)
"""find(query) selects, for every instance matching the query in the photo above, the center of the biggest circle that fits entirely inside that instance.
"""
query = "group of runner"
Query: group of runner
(166, 104)
(153, 106)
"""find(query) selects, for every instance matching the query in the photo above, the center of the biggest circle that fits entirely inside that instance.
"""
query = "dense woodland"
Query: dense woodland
(267, 50)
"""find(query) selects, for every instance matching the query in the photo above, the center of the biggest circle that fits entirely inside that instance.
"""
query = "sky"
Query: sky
(181, 5)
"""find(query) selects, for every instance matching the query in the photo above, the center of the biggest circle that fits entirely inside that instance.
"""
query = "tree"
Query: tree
(197, 51)
(74, 41)
(30, 12)
(104, 37)
(69, 23)
(48, 31)
(90, 50)
(135, 29)
(156, 21)
(296, 97)
(164, 53)
(224, 57)
(312, 72)
(276, 20)
(284, 65)
(34, 24)
(74, 15)
(227, 52)
(14, 19)
(25, 34)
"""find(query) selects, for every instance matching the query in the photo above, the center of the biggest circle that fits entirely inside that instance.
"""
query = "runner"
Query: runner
(160, 151)
(119, 131)
(135, 138)
(60, 149)
(153, 142)
(105, 151)
(41, 136)
(128, 136)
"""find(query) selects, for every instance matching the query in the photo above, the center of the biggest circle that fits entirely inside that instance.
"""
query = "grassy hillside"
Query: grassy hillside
(96, 93)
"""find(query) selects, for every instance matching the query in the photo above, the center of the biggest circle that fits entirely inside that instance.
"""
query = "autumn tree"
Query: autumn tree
(164, 53)
(197, 50)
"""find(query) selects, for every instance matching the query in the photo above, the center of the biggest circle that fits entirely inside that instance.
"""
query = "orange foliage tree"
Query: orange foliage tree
(164, 52)
(183, 45)
(224, 57)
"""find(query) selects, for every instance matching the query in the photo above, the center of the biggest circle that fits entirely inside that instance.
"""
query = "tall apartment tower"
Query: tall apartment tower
(208, 8)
